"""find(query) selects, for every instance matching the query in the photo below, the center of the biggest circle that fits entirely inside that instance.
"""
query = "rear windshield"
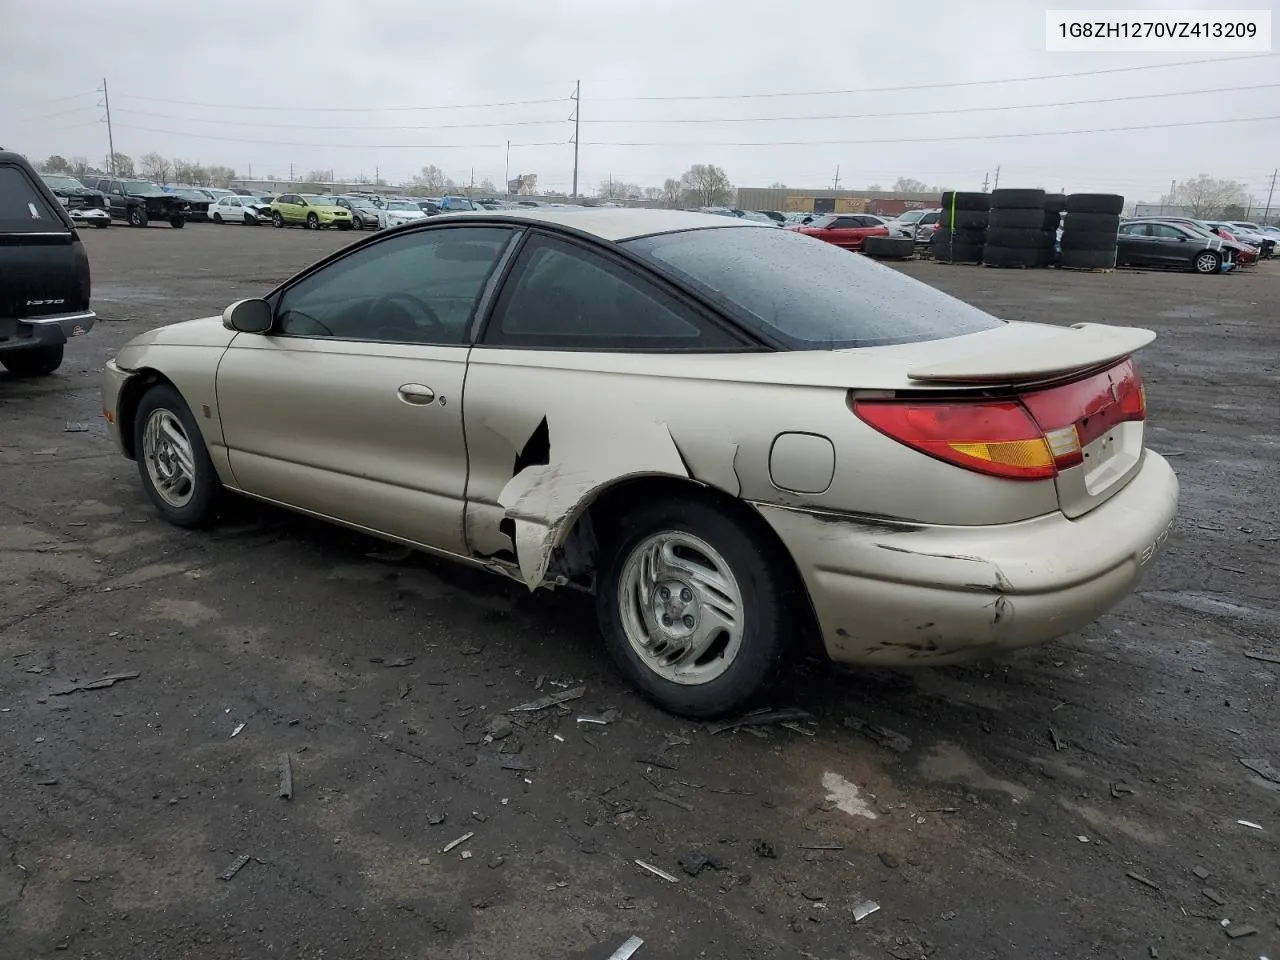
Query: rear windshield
(22, 206)
(808, 294)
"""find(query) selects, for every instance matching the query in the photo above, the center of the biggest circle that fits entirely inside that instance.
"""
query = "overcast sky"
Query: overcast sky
(397, 84)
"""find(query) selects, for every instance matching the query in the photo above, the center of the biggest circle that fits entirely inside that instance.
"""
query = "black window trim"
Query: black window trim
(610, 252)
(276, 296)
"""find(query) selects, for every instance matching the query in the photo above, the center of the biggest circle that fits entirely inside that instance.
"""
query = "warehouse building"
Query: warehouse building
(885, 203)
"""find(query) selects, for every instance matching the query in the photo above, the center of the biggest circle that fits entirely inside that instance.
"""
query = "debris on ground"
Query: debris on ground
(75, 427)
(889, 860)
(1263, 768)
(1119, 788)
(496, 862)
(763, 848)
(822, 846)
(796, 728)
(549, 701)
(628, 948)
(757, 718)
(654, 761)
(667, 798)
(286, 777)
(693, 862)
(657, 872)
(236, 866)
(908, 948)
(394, 661)
(390, 555)
(100, 684)
(1250, 824)
(865, 909)
(1240, 930)
(1142, 880)
(1201, 873)
(1214, 896)
(885, 737)
(453, 843)
(498, 728)
(236, 731)
(519, 766)
(436, 817)
(1058, 743)
(1264, 657)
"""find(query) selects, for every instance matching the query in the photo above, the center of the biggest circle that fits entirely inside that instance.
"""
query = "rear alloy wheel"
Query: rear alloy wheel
(276, 219)
(313, 222)
(173, 461)
(33, 361)
(137, 217)
(102, 224)
(1208, 262)
(693, 611)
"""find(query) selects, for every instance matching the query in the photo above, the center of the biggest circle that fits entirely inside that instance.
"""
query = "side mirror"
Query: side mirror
(248, 316)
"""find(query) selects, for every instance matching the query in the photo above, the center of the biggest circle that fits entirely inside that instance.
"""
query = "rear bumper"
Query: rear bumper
(897, 594)
(89, 215)
(46, 331)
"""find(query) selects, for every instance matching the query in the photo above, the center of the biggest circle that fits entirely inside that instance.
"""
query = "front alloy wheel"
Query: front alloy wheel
(1208, 262)
(173, 461)
(313, 222)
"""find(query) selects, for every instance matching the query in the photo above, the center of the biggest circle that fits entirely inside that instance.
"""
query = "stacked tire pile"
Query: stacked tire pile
(1054, 204)
(1015, 229)
(962, 229)
(1089, 231)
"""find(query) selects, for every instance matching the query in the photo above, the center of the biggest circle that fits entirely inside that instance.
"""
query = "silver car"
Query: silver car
(734, 436)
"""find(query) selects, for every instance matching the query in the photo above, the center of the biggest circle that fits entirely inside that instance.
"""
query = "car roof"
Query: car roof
(612, 224)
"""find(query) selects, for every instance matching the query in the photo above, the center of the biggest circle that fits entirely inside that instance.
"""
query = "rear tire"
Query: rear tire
(889, 248)
(1093, 222)
(102, 224)
(33, 361)
(1008, 237)
(1087, 240)
(174, 463)
(745, 604)
(965, 201)
(1088, 259)
(1018, 199)
(177, 222)
(1016, 219)
(277, 220)
(1010, 256)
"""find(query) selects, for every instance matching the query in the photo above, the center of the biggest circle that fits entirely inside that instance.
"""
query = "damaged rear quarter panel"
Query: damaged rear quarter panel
(610, 417)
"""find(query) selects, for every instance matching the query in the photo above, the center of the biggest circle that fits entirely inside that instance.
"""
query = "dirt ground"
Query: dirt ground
(1055, 804)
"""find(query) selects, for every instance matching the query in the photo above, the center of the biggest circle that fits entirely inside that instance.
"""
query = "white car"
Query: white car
(236, 209)
(397, 212)
(908, 226)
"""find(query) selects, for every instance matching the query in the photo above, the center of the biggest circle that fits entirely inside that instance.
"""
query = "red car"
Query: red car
(846, 230)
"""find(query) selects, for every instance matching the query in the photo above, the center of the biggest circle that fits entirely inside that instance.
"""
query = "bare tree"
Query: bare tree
(155, 167)
(79, 166)
(221, 176)
(652, 194)
(911, 185)
(672, 193)
(123, 164)
(529, 185)
(706, 185)
(55, 164)
(317, 176)
(431, 179)
(486, 186)
(777, 185)
(1206, 196)
(617, 190)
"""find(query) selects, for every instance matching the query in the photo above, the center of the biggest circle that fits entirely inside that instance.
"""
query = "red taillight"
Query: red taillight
(1029, 437)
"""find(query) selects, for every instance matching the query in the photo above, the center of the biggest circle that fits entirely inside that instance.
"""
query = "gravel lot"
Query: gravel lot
(1054, 804)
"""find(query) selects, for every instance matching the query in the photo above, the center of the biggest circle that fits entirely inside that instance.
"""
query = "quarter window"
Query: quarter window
(563, 296)
(415, 288)
(23, 208)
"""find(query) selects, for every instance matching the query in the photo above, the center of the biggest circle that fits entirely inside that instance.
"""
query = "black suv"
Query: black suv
(138, 202)
(44, 273)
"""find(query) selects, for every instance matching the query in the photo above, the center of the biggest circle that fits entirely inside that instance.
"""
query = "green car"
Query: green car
(309, 210)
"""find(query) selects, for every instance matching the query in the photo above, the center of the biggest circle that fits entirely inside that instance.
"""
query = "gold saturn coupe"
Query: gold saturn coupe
(735, 437)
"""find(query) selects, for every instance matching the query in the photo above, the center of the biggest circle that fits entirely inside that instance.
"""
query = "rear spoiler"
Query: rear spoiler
(1081, 346)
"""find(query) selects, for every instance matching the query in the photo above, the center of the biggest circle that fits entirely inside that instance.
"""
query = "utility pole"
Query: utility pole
(506, 180)
(111, 140)
(835, 183)
(1267, 213)
(472, 189)
(377, 179)
(577, 119)
(996, 186)
(291, 172)
(986, 179)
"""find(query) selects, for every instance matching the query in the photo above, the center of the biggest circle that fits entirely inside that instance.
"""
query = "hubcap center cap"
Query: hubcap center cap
(675, 607)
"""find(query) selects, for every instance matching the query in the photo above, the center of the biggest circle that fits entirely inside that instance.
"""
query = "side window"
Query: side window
(415, 288)
(564, 297)
(1164, 231)
(928, 218)
(116, 189)
(23, 208)
(841, 223)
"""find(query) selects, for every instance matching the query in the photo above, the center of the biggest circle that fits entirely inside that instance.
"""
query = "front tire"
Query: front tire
(33, 361)
(102, 224)
(217, 218)
(173, 461)
(313, 222)
(250, 221)
(177, 222)
(137, 217)
(694, 608)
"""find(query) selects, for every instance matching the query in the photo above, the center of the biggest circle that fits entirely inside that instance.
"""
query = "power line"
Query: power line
(364, 109)
(74, 96)
(932, 86)
(60, 113)
(347, 126)
(950, 110)
(333, 144)
(987, 136)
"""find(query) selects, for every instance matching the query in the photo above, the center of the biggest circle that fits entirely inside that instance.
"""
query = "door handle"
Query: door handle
(416, 394)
